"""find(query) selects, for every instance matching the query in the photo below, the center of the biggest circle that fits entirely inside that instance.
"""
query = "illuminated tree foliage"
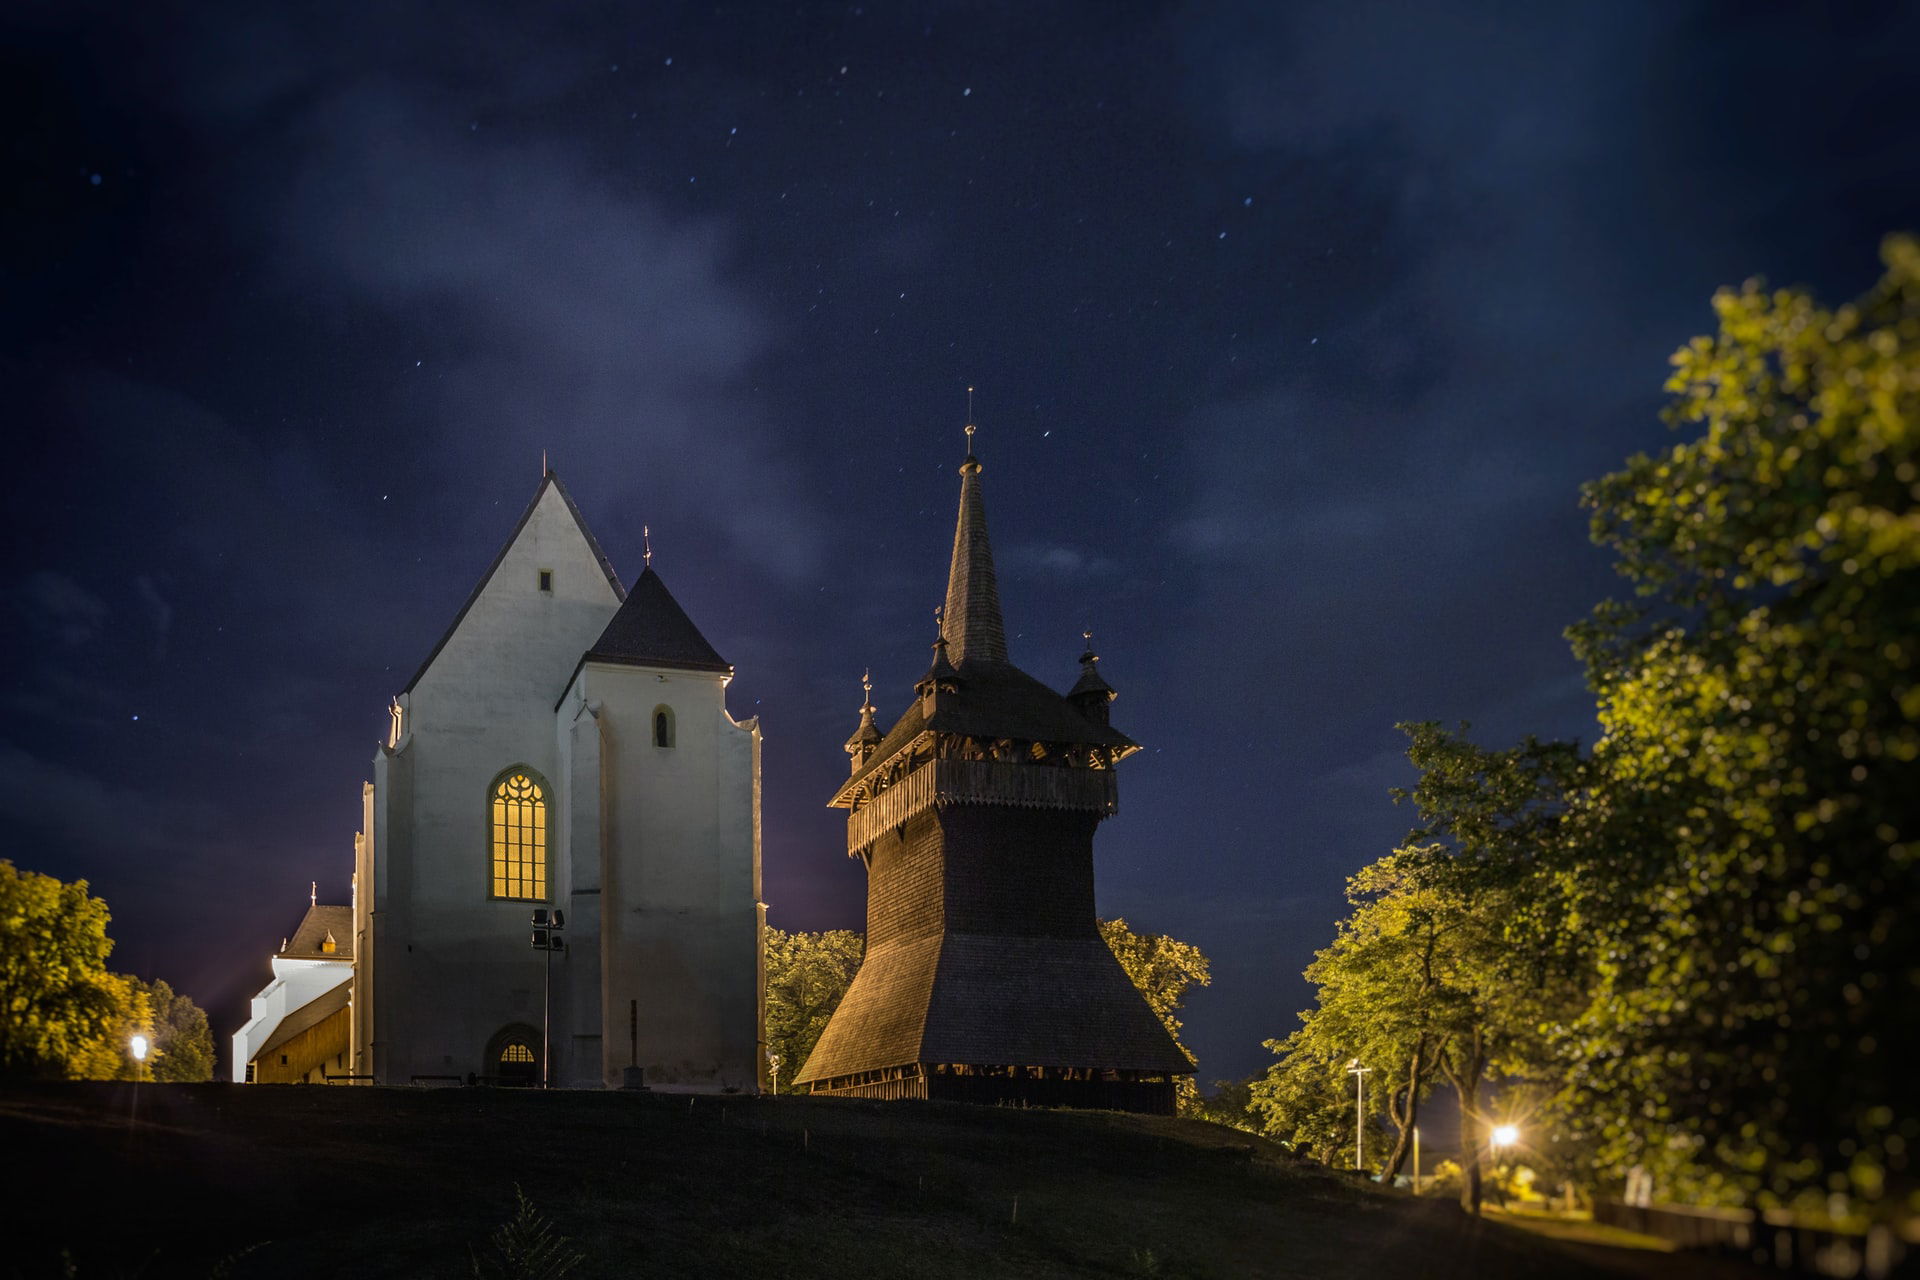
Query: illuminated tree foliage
(1691, 937)
(807, 975)
(1751, 832)
(1436, 974)
(1164, 969)
(62, 1006)
(182, 1040)
(109, 1055)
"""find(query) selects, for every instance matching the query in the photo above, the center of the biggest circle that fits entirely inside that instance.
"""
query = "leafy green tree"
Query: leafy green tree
(1164, 969)
(1230, 1104)
(1306, 1101)
(1438, 971)
(1479, 874)
(807, 976)
(59, 999)
(183, 1042)
(109, 1054)
(1746, 875)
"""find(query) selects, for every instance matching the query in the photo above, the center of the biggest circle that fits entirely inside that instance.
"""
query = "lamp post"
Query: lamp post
(139, 1047)
(1416, 1159)
(1359, 1074)
(773, 1065)
(546, 937)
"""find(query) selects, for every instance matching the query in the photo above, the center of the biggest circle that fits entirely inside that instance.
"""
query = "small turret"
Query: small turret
(1091, 695)
(865, 738)
(941, 677)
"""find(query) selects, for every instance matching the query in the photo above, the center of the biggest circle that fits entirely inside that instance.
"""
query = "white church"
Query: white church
(566, 747)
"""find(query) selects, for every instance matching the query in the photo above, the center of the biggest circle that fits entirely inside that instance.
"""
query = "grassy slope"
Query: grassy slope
(379, 1182)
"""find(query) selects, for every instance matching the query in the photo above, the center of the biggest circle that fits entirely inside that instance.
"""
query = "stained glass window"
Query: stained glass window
(519, 823)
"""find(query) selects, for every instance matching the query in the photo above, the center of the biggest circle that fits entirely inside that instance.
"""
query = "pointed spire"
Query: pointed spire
(1091, 694)
(865, 738)
(973, 625)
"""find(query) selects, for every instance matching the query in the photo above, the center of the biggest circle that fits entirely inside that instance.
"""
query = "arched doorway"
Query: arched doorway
(513, 1057)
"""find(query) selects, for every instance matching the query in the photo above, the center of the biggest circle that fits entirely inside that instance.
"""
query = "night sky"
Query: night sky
(1295, 329)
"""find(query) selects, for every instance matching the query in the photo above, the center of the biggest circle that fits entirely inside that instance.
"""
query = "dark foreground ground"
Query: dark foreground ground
(294, 1181)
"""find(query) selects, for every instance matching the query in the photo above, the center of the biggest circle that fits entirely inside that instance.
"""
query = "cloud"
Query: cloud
(58, 607)
(542, 299)
(1055, 560)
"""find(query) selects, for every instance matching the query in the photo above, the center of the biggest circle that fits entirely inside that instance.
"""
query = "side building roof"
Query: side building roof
(315, 927)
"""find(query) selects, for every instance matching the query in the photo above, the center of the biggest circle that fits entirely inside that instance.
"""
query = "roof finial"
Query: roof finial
(646, 542)
(969, 422)
(313, 893)
(544, 470)
(939, 615)
(866, 685)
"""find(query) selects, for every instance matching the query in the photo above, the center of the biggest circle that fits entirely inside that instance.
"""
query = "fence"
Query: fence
(1773, 1239)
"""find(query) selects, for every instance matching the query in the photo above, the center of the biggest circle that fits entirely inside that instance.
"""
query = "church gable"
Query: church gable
(548, 593)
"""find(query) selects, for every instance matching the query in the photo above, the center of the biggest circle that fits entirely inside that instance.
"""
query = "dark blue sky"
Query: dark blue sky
(1296, 328)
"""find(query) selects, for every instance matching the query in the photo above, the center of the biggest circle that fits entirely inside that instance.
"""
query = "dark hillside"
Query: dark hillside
(293, 1181)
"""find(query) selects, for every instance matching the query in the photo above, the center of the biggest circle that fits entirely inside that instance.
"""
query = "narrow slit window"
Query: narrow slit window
(518, 813)
(662, 726)
(546, 580)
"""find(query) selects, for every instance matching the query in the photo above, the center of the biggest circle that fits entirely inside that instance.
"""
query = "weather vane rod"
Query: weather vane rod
(646, 544)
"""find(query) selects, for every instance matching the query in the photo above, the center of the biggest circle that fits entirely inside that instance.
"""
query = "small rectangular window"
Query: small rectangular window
(546, 579)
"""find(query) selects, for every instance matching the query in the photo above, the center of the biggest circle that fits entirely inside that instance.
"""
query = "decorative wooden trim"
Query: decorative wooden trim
(1000, 782)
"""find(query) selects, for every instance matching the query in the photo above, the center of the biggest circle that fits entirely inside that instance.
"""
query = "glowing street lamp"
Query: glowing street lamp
(1505, 1135)
(139, 1046)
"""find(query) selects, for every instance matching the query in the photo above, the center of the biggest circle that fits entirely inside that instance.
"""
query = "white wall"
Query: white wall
(680, 921)
(455, 966)
(296, 984)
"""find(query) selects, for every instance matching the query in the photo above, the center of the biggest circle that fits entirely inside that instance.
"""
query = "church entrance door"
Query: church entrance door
(513, 1058)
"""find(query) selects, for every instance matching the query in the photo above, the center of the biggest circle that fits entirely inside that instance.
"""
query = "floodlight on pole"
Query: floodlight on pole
(1359, 1074)
(139, 1046)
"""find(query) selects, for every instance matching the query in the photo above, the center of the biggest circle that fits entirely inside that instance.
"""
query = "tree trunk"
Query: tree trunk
(1463, 1073)
(1405, 1110)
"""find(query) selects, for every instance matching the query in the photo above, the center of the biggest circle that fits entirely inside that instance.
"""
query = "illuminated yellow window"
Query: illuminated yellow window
(516, 1052)
(519, 836)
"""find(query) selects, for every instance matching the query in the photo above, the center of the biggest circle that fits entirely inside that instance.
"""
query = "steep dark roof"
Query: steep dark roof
(652, 630)
(313, 930)
(995, 699)
(973, 998)
(593, 545)
(971, 619)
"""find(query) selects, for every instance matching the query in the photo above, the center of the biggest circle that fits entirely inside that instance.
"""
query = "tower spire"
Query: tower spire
(972, 624)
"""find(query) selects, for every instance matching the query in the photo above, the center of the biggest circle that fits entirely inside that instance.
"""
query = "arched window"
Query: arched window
(663, 726)
(517, 834)
(513, 1056)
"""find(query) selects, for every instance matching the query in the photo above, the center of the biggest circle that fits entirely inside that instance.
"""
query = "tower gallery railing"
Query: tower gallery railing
(943, 782)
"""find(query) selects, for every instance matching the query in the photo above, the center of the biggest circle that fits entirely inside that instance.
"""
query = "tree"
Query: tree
(1230, 1104)
(807, 975)
(1164, 969)
(1751, 836)
(61, 1004)
(183, 1042)
(1438, 970)
(108, 1055)
(1306, 1100)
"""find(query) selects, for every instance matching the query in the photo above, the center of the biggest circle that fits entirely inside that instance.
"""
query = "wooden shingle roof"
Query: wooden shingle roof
(315, 927)
(970, 998)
